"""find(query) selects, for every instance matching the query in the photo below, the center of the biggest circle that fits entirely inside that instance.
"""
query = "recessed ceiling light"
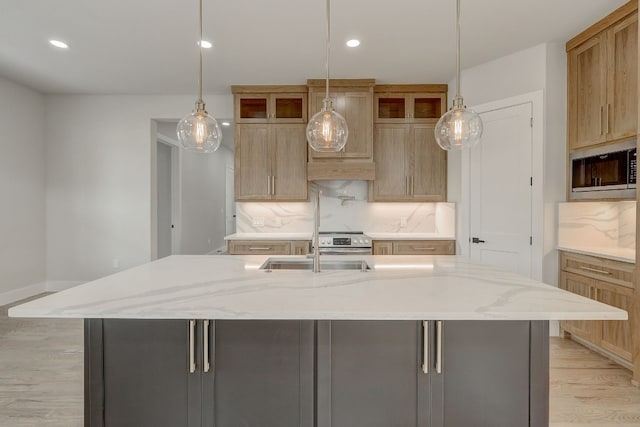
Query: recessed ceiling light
(353, 43)
(226, 124)
(59, 44)
(205, 44)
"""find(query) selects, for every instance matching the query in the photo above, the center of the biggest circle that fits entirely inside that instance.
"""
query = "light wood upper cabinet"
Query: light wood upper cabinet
(270, 104)
(399, 107)
(353, 99)
(602, 85)
(270, 162)
(622, 78)
(410, 166)
(429, 166)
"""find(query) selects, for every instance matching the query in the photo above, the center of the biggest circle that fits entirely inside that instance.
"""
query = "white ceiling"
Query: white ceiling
(148, 46)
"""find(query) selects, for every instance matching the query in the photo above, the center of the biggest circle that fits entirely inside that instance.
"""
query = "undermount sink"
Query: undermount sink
(307, 264)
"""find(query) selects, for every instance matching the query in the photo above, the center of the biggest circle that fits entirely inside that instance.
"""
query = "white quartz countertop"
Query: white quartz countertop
(396, 288)
(307, 236)
(269, 236)
(407, 236)
(617, 254)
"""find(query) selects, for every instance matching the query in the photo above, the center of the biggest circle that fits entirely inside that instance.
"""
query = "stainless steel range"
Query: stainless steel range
(345, 243)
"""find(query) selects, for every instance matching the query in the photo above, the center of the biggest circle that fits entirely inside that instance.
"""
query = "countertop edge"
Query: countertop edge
(601, 254)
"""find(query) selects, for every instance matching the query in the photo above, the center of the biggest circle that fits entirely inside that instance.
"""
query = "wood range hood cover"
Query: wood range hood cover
(338, 170)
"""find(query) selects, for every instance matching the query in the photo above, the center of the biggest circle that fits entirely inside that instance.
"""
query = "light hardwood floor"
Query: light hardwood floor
(41, 379)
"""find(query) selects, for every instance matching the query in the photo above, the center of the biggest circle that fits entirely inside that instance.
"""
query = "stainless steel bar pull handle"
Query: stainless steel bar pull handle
(273, 185)
(425, 346)
(269, 184)
(439, 346)
(206, 364)
(601, 116)
(192, 346)
(594, 270)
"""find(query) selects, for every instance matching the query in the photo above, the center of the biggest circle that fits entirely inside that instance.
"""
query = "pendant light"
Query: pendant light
(327, 130)
(198, 131)
(458, 128)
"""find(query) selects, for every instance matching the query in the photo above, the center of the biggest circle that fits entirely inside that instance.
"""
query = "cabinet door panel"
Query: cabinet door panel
(622, 105)
(485, 374)
(382, 248)
(587, 93)
(264, 373)
(358, 112)
(289, 108)
(252, 162)
(616, 334)
(369, 374)
(290, 162)
(146, 378)
(390, 154)
(429, 166)
(251, 108)
(586, 287)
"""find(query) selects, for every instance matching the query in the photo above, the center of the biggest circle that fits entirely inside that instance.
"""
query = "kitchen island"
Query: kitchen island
(412, 341)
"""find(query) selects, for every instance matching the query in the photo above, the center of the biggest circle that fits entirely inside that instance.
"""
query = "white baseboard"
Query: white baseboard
(60, 285)
(22, 293)
(18, 294)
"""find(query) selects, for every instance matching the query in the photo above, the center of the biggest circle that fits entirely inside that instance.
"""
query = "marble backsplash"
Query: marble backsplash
(597, 224)
(344, 207)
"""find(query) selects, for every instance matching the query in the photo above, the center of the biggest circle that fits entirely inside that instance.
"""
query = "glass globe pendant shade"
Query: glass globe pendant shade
(459, 128)
(327, 131)
(199, 132)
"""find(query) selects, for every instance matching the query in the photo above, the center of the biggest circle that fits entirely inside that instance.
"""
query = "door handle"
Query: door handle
(425, 346)
(206, 364)
(439, 347)
(476, 240)
(192, 346)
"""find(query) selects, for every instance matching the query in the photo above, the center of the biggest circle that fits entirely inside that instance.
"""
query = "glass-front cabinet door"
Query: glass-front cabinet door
(271, 106)
(393, 107)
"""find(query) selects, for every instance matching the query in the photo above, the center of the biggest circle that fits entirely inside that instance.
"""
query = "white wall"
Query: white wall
(542, 67)
(203, 216)
(101, 176)
(22, 191)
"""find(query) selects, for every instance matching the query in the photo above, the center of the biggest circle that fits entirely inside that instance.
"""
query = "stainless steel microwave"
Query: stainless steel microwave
(607, 172)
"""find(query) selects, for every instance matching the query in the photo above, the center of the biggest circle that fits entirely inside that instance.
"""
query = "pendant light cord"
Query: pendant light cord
(458, 48)
(328, 44)
(200, 70)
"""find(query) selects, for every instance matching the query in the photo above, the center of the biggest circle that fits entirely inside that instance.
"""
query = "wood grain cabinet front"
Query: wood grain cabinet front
(602, 82)
(610, 282)
(410, 166)
(409, 107)
(353, 99)
(414, 247)
(270, 162)
(268, 247)
(270, 104)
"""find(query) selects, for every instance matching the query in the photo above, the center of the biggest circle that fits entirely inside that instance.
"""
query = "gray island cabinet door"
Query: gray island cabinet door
(263, 374)
(138, 372)
(370, 374)
(492, 375)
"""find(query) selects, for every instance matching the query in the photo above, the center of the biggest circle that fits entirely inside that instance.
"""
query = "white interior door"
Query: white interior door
(500, 178)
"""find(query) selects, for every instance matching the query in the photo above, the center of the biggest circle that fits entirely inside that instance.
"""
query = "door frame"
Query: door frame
(176, 192)
(537, 170)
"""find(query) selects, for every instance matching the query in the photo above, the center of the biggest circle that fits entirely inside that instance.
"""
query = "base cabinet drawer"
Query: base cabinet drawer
(414, 247)
(269, 247)
(610, 282)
